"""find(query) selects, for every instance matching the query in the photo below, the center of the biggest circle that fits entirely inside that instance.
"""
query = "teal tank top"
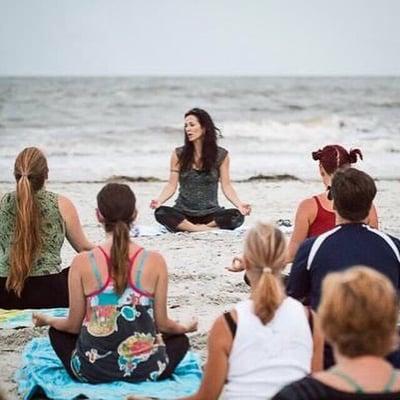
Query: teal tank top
(52, 229)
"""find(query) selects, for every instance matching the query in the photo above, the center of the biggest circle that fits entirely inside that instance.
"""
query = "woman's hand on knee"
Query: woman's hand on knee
(245, 209)
(40, 319)
(237, 264)
(154, 204)
(192, 325)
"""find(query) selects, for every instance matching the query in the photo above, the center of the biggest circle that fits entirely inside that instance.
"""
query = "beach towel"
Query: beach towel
(42, 371)
(13, 319)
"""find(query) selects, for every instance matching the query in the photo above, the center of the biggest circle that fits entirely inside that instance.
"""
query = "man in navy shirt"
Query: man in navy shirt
(350, 243)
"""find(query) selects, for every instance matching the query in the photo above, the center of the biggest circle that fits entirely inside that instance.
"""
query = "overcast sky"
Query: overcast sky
(203, 37)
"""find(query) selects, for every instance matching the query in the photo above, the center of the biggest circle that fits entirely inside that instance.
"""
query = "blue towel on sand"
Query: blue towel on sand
(13, 319)
(42, 369)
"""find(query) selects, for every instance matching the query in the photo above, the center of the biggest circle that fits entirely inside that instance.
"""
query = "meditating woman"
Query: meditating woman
(33, 225)
(266, 341)
(315, 215)
(118, 306)
(358, 315)
(198, 166)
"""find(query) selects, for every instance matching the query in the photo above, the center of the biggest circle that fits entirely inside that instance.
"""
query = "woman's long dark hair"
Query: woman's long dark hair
(209, 151)
(117, 204)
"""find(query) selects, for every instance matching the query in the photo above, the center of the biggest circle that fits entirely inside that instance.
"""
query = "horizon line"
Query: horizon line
(285, 76)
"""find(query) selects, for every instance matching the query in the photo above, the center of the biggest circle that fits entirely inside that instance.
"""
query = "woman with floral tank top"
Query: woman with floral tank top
(198, 166)
(118, 327)
(33, 225)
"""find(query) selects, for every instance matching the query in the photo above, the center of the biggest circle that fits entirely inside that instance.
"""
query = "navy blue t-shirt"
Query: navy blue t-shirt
(342, 247)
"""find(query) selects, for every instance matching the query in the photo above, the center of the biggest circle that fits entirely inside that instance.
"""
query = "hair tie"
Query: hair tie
(268, 270)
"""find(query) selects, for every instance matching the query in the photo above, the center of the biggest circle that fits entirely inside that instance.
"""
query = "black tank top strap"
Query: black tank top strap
(231, 323)
(310, 317)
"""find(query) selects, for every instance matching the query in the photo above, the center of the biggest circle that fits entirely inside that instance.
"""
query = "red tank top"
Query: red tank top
(324, 221)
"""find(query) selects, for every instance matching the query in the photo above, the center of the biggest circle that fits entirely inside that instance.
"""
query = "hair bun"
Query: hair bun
(316, 155)
(353, 153)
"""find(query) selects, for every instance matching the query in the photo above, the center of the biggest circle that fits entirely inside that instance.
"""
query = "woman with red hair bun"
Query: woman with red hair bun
(315, 215)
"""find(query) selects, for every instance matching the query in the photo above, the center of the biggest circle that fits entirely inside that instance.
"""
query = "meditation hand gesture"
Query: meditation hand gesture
(245, 209)
(40, 319)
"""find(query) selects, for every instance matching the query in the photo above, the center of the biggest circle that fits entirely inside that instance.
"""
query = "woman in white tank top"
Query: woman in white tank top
(266, 341)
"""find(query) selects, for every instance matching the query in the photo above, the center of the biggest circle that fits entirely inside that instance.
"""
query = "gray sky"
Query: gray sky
(203, 37)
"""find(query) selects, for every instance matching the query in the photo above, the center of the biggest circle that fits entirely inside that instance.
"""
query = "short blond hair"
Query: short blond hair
(359, 311)
(265, 250)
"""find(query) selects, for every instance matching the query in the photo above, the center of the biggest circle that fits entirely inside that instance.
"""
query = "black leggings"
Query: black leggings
(64, 344)
(170, 217)
(47, 291)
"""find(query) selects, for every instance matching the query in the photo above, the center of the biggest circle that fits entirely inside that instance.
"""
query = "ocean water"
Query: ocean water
(94, 128)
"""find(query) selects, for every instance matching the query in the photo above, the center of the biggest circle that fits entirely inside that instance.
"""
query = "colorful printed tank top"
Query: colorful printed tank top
(118, 338)
(324, 221)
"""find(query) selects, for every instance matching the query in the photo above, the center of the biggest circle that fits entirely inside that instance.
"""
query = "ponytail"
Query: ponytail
(267, 296)
(120, 256)
(30, 171)
(316, 155)
(353, 155)
(265, 250)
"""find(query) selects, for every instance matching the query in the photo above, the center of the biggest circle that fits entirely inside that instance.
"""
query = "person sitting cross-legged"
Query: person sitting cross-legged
(118, 327)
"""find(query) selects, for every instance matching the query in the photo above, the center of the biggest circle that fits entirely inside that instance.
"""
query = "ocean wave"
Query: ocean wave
(125, 178)
(386, 104)
(270, 178)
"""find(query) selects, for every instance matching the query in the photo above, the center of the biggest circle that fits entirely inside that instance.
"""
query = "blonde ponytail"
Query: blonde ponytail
(120, 256)
(265, 249)
(30, 172)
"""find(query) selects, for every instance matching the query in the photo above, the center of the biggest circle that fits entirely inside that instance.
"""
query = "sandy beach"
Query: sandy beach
(199, 283)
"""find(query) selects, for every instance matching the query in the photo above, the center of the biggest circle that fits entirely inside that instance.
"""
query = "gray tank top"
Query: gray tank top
(198, 190)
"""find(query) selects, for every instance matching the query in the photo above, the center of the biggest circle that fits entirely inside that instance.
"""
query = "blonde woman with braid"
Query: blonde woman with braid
(265, 342)
(33, 225)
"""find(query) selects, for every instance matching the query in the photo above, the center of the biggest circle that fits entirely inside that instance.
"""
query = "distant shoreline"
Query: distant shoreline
(151, 179)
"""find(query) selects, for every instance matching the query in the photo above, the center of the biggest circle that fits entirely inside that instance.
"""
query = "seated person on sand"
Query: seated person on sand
(351, 242)
(265, 342)
(315, 215)
(358, 315)
(33, 225)
(118, 306)
(198, 166)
